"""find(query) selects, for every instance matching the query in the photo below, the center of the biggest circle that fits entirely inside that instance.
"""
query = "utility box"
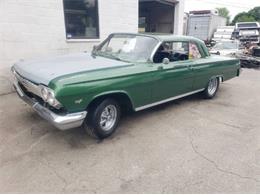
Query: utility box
(203, 24)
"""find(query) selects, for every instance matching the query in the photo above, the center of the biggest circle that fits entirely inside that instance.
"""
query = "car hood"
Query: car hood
(42, 71)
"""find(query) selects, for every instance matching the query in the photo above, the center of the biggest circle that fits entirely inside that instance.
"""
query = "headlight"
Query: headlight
(49, 97)
(45, 93)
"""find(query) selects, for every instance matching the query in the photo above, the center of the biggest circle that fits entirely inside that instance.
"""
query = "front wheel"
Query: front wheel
(211, 88)
(103, 119)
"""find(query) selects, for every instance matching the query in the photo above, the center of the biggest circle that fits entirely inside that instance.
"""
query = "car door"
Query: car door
(175, 77)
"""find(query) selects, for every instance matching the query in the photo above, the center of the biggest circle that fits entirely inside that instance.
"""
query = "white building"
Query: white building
(34, 28)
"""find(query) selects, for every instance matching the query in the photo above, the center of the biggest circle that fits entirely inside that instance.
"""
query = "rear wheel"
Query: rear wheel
(211, 88)
(103, 119)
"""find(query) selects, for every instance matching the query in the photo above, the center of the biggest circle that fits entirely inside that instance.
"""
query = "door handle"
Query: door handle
(190, 67)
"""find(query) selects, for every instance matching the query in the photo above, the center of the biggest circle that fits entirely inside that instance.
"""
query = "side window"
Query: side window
(174, 51)
(194, 52)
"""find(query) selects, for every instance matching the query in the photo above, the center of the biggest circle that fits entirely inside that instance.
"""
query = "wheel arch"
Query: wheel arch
(220, 77)
(122, 97)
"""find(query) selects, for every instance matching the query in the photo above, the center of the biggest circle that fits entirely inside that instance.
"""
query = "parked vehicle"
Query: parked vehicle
(223, 33)
(243, 25)
(225, 48)
(125, 72)
(203, 24)
(248, 32)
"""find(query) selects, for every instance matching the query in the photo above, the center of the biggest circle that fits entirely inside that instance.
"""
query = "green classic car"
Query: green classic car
(125, 72)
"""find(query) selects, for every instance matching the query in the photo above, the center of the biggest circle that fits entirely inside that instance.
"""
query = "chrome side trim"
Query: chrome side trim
(168, 100)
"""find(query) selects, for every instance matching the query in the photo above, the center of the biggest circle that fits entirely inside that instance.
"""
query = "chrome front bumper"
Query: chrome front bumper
(62, 122)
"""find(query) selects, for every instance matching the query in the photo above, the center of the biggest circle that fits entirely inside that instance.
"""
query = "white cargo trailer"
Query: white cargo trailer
(203, 24)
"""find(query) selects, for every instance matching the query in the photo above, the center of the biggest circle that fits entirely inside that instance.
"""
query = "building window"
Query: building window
(81, 19)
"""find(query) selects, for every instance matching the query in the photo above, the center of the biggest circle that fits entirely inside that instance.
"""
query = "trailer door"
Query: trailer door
(199, 27)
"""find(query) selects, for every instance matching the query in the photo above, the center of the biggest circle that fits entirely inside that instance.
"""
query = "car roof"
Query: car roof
(165, 37)
(170, 38)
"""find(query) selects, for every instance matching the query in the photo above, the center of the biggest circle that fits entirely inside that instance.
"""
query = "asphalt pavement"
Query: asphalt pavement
(190, 145)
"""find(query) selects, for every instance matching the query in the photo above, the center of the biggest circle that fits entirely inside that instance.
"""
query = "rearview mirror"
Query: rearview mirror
(166, 61)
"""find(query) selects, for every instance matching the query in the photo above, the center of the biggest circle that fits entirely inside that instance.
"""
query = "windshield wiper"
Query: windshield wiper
(113, 56)
(116, 58)
(107, 55)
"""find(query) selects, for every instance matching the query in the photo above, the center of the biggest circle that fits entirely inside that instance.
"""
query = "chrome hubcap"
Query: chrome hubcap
(108, 117)
(213, 85)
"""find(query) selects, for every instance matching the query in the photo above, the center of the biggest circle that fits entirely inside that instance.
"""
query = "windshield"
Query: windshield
(126, 47)
(226, 45)
(245, 25)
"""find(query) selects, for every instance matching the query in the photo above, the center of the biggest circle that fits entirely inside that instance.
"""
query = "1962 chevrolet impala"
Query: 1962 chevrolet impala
(126, 71)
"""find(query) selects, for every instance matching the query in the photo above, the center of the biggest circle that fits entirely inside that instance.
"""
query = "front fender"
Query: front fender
(76, 98)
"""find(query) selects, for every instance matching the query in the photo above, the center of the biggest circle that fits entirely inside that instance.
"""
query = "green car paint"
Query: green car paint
(144, 83)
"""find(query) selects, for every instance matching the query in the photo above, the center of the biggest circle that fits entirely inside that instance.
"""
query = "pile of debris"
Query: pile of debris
(249, 57)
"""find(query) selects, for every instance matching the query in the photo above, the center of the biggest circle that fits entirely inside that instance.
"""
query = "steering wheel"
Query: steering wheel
(174, 57)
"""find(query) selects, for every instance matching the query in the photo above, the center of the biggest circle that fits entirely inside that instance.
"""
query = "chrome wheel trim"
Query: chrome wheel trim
(108, 117)
(213, 85)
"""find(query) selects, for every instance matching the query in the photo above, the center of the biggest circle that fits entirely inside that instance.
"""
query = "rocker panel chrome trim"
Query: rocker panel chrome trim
(168, 100)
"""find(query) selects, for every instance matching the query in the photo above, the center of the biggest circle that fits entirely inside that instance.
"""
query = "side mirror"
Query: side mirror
(166, 61)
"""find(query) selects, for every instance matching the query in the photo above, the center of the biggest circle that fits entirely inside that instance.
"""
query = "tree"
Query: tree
(243, 17)
(255, 13)
(251, 16)
(224, 12)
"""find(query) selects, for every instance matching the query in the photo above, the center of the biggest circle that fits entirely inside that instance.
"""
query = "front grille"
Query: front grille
(32, 91)
(30, 94)
(28, 85)
(41, 101)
